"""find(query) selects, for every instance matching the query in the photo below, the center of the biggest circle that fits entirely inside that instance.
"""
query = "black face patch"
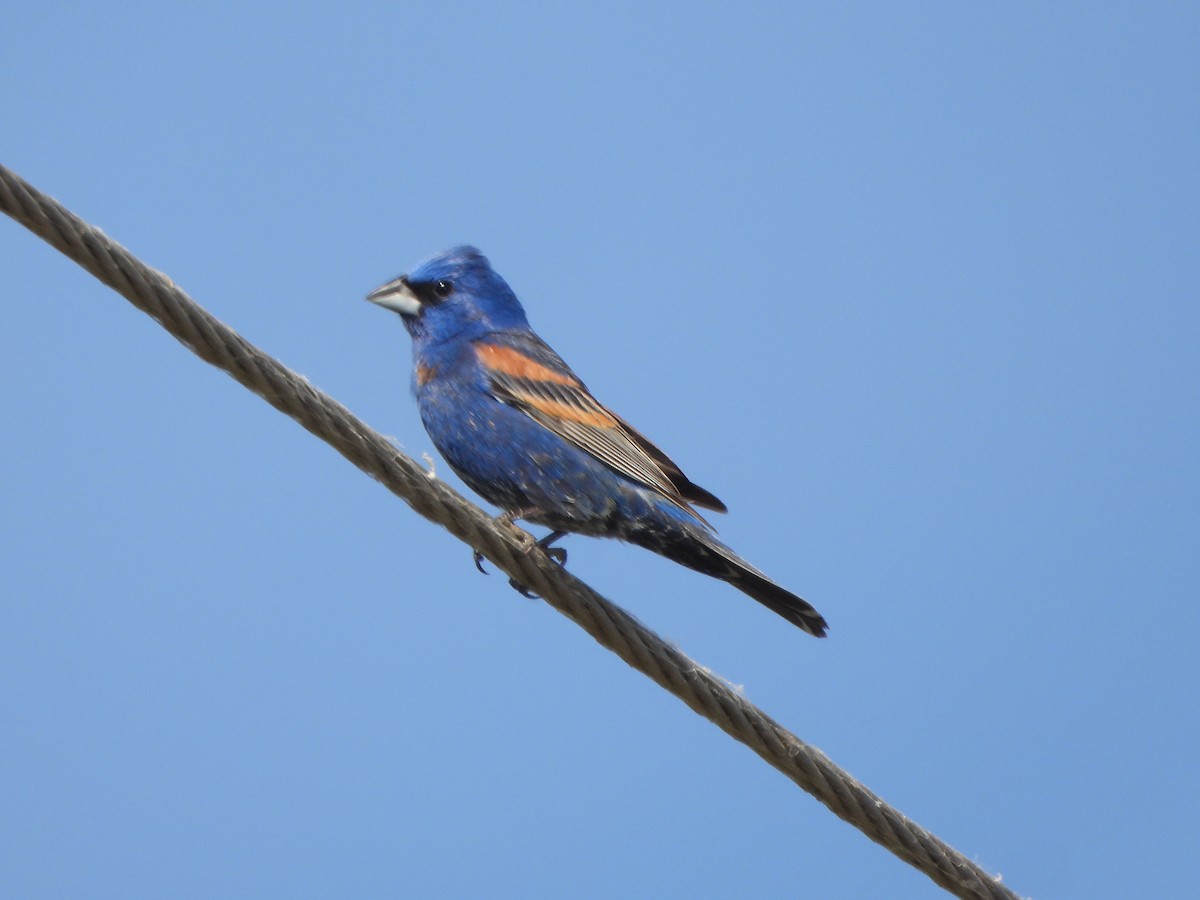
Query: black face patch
(431, 293)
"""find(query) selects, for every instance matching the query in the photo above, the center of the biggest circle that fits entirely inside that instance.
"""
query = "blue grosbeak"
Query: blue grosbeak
(524, 432)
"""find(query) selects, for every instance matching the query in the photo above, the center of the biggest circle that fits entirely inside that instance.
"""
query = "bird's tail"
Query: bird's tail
(697, 548)
(779, 600)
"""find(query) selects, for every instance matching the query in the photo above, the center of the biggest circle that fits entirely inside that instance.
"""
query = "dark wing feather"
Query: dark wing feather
(549, 393)
(689, 490)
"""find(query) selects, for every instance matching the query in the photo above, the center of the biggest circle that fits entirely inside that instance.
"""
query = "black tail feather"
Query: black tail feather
(795, 609)
(697, 548)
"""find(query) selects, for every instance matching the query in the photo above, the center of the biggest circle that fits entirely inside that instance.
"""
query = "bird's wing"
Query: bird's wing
(525, 373)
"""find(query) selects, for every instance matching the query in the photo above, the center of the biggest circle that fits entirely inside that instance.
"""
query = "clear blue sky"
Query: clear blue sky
(913, 290)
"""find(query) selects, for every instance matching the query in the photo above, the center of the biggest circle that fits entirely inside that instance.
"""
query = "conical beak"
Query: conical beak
(397, 296)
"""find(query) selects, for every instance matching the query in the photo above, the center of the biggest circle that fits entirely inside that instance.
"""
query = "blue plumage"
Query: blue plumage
(523, 431)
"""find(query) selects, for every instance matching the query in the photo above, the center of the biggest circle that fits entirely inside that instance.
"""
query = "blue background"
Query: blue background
(914, 290)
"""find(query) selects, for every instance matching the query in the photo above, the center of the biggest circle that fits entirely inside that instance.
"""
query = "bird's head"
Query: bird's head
(453, 294)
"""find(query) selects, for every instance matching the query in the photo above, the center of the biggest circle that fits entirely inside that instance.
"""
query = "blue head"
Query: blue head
(454, 294)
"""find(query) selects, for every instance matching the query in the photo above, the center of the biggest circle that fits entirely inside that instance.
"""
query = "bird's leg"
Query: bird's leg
(558, 554)
(511, 515)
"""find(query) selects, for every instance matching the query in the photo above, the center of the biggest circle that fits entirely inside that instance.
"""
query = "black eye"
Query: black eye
(442, 289)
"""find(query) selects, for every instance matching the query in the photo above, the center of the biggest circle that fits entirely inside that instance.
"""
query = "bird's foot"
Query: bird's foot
(508, 517)
(558, 554)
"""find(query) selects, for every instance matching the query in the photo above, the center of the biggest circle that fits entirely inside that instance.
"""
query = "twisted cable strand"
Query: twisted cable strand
(506, 546)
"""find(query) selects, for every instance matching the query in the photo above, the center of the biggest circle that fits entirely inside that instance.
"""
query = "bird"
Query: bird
(524, 432)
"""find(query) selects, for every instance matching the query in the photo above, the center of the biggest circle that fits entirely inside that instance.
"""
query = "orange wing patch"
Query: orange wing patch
(597, 418)
(518, 365)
